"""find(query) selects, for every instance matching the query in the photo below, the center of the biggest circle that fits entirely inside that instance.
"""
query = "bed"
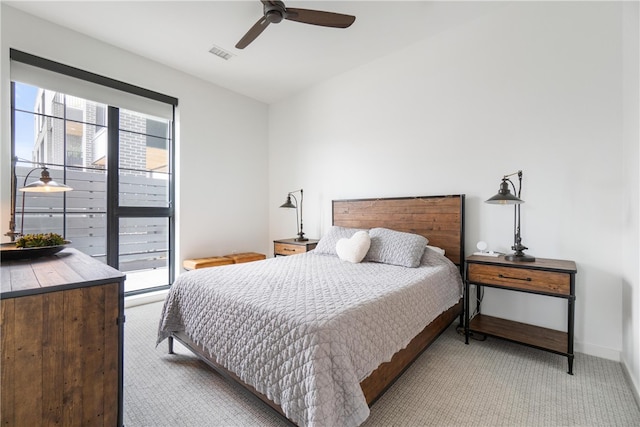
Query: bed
(317, 338)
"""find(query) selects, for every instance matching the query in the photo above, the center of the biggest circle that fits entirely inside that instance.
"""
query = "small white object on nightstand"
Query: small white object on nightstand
(482, 246)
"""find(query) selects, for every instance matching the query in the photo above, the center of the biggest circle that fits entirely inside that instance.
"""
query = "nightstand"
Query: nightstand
(549, 277)
(292, 246)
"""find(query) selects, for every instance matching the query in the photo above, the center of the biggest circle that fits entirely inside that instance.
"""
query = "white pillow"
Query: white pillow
(436, 249)
(327, 245)
(355, 248)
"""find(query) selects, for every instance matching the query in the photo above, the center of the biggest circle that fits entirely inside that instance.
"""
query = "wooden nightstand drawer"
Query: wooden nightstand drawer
(288, 249)
(521, 278)
(293, 246)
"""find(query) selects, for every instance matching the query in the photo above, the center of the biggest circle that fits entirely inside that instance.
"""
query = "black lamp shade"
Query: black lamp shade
(504, 196)
(288, 203)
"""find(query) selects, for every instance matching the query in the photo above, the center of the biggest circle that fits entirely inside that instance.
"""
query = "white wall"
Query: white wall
(631, 242)
(221, 143)
(531, 86)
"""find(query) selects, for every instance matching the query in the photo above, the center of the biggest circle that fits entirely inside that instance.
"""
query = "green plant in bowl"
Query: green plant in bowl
(40, 240)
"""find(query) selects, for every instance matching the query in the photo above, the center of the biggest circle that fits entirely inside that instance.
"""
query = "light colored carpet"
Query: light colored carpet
(488, 383)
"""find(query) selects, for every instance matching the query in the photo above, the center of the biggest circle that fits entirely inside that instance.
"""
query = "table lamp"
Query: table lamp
(44, 185)
(504, 197)
(289, 204)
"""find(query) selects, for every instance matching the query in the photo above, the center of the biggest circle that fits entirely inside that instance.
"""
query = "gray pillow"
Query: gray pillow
(396, 247)
(327, 244)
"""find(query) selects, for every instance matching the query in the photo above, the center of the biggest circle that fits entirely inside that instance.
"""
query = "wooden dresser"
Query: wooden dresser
(61, 325)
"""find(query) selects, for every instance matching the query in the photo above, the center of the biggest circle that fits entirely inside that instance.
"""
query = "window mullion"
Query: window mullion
(64, 162)
(172, 198)
(113, 159)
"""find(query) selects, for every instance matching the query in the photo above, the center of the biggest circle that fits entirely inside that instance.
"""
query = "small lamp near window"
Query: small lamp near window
(44, 185)
(504, 197)
(289, 204)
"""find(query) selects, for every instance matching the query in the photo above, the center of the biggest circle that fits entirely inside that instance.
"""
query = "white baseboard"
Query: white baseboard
(597, 351)
(147, 298)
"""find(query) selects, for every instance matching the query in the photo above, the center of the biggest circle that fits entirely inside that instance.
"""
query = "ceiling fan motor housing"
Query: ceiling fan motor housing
(274, 12)
(273, 16)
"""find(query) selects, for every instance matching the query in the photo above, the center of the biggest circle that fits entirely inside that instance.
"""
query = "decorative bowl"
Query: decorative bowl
(9, 251)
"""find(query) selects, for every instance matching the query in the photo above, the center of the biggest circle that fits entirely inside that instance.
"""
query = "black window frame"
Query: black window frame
(114, 211)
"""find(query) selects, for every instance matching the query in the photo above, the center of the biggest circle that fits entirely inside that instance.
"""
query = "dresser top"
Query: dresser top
(68, 269)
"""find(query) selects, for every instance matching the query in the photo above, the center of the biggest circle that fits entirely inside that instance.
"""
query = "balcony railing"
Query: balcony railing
(81, 216)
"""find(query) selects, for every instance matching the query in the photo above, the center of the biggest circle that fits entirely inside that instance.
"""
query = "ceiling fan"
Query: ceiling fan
(276, 11)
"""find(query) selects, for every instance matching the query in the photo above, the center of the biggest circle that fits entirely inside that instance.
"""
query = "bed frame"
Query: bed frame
(441, 220)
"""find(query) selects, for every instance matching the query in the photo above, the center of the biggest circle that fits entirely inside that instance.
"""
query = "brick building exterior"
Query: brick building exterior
(83, 124)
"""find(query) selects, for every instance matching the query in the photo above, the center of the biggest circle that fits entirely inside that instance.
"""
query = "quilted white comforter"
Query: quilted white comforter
(304, 330)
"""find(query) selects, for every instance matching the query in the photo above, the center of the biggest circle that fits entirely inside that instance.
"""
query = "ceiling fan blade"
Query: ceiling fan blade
(253, 32)
(317, 17)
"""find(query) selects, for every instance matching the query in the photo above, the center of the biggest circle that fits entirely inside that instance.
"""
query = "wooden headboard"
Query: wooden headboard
(439, 218)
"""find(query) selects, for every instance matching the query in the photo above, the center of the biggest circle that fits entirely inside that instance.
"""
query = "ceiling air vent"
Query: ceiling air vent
(218, 51)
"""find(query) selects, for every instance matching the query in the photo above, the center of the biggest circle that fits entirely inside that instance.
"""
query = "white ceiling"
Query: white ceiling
(286, 58)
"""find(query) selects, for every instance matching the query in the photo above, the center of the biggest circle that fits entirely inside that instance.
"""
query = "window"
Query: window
(120, 211)
(65, 148)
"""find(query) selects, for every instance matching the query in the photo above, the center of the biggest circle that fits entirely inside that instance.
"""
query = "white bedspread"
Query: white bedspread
(304, 330)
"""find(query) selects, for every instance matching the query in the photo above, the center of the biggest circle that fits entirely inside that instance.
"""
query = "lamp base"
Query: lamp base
(301, 239)
(519, 257)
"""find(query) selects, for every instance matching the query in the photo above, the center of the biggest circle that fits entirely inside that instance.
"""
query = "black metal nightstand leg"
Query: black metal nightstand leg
(570, 358)
(466, 312)
(571, 325)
